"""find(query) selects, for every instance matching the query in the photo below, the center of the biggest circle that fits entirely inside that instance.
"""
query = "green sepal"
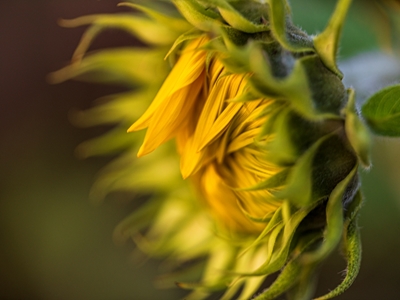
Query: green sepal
(187, 36)
(303, 281)
(136, 221)
(299, 187)
(305, 285)
(112, 142)
(161, 14)
(234, 57)
(140, 27)
(354, 206)
(265, 219)
(123, 108)
(382, 112)
(334, 222)
(353, 250)
(246, 16)
(335, 159)
(110, 66)
(276, 181)
(172, 275)
(127, 173)
(329, 95)
(290, 37)
(196, 14)
(286, 279)
(356, 132)
(273, 223)
(222, 256)
(280, 242)
(281, 149)
(327, 42)
(272, 111)
(294, 88)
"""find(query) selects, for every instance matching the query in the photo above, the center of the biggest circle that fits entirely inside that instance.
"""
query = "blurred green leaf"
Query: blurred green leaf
(382, 111)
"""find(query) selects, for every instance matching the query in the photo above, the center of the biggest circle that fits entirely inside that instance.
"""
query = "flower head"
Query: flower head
(251, 147)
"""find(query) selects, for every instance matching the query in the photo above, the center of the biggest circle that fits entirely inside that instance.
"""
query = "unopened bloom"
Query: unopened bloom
(254, 117)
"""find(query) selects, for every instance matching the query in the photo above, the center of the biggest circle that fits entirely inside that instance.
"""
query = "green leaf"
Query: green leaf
(382, 112)
(327, 43)
(356, 132)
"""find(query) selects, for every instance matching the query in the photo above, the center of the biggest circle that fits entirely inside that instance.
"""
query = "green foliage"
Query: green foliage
(382, 112)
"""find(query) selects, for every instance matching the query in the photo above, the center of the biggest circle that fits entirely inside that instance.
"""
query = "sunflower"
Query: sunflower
(252, 143)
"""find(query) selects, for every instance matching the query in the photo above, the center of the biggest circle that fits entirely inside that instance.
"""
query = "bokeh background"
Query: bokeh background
(55, 244)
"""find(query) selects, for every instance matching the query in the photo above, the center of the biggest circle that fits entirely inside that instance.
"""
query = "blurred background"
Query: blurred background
(55, 244)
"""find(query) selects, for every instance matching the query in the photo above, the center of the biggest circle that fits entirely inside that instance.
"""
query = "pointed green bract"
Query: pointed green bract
(142, 27)
(334, 222)
(356, 132)
(293, 88)
(237, 17)
(197, 14)
(166, 17)
(382, 112)
(276, 181)
(109, 66)
(289, 36)
(281, 149)
(327, 42)
(299, 184)
(136, 221)
(187, 36)
(286, 279)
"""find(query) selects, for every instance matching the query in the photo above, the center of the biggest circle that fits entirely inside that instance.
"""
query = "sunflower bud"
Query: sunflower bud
(265, 136)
